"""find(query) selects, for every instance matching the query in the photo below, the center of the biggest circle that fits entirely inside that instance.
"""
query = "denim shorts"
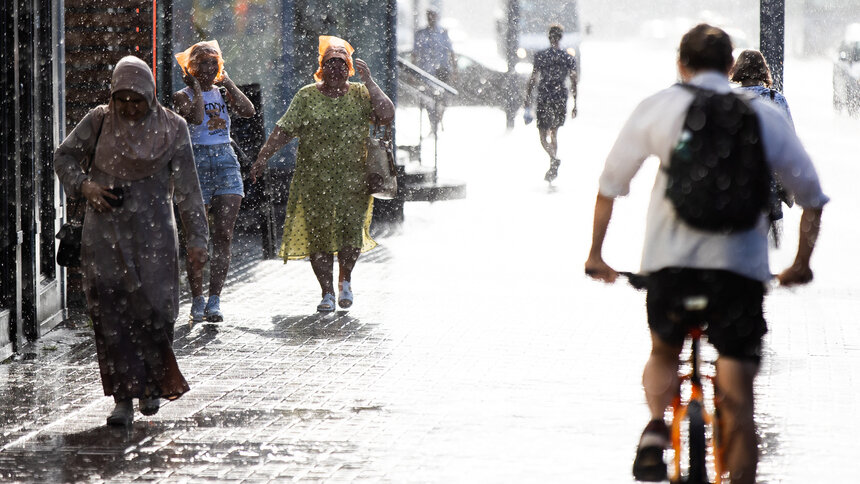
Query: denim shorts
(218, 171)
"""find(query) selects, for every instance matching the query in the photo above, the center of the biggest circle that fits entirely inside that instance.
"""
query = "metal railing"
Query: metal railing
(428, 90)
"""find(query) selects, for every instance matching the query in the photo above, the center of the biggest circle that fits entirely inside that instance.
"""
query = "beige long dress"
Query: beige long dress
(130, 257)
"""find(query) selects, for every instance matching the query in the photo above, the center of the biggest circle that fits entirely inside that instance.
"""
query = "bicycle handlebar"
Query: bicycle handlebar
(638, 281)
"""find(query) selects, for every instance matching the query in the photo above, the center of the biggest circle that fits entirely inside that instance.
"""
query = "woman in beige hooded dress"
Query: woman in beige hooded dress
(142, 164)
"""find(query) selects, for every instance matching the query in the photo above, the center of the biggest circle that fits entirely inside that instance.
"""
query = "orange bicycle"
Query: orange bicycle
(694, 430)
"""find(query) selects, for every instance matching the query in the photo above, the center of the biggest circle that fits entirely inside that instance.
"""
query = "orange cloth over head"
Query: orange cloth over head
(331, 46)
(184, 57)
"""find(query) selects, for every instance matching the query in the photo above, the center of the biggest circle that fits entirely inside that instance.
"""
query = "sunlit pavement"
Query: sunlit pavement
(476, 350)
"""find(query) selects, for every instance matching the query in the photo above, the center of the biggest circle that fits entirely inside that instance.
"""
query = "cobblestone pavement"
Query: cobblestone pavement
(475, 352)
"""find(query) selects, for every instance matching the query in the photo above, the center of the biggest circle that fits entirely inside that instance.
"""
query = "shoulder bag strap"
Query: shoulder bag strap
(76, 206)
(95, 146)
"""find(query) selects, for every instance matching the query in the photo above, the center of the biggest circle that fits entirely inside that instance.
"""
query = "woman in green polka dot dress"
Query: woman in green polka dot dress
(329, 207)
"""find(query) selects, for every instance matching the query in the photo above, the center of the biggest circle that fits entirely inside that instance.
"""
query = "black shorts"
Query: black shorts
(733, 319)
(551, 113)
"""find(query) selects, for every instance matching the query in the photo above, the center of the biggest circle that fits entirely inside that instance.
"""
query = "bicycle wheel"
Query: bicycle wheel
(698, 473)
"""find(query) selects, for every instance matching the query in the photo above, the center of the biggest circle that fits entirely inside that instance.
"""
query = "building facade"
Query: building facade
(31, 284)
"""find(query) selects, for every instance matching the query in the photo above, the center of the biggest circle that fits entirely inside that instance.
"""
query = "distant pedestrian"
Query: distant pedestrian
(433, 52)
(207, 112)
(753, 74)
(553, 66)
(142, 163)
(329, 206)
(725, 268)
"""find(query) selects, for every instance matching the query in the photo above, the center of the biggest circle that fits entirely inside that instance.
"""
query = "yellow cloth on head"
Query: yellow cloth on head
(331, 46)
(184, 57)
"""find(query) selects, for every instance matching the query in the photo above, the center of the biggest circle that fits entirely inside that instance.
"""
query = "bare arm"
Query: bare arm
(189, 201)
(383, 108)
(800, 272)
(238, 101)
(530, 87)
(277, 140)
(594, 265)
(574, 78)
(192, 111)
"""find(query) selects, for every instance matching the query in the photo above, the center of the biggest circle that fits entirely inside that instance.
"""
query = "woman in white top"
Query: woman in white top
(206, 111)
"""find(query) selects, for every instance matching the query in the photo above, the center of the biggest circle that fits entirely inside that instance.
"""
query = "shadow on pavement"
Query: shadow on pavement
(297, 330)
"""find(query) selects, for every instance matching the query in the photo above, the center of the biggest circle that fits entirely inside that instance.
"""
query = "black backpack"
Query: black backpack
(718, 180)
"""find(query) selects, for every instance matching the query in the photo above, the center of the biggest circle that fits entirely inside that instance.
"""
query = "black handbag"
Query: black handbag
(69, 251)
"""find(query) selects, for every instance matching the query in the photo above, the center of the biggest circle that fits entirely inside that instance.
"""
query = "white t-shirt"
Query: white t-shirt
(215, 128)
(653, 129)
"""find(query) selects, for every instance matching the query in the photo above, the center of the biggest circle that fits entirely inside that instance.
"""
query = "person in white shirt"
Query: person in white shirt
(730, 268)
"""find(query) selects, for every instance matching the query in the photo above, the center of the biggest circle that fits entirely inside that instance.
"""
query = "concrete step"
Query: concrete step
(433, 192)
(414, 174)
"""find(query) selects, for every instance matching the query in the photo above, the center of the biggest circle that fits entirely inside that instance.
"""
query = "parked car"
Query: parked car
(477, 83)
(846, 72)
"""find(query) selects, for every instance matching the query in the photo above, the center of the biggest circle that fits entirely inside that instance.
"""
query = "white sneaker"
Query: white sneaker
(344, 297)
(327, 304)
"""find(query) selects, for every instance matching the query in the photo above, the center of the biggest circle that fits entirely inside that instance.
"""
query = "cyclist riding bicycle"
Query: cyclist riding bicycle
(729, 268)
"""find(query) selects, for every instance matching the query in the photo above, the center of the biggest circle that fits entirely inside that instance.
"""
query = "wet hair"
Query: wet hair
(706, 47)
(201, 50)
(556, 30)
(751, 67)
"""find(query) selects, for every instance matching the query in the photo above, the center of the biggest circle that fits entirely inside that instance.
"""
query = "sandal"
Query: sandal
(344, 297)
(327, 304)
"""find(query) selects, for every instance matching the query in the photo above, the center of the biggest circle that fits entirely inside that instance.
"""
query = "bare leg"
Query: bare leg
(346, 259)
(545, 140)
(553, 142)
(737, 425)
(323, 266)
(195, 271)
(660, 377)
(224, 210)
(434, 114)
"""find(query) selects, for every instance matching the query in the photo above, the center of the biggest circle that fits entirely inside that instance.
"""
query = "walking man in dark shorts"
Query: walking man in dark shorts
(728, 268)
(554, 66)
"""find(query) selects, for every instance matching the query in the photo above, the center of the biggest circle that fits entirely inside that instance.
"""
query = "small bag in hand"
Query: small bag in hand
(69, 251)
(381, 170)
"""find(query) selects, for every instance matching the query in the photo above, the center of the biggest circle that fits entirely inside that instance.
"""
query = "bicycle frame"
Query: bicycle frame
(695, 411)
